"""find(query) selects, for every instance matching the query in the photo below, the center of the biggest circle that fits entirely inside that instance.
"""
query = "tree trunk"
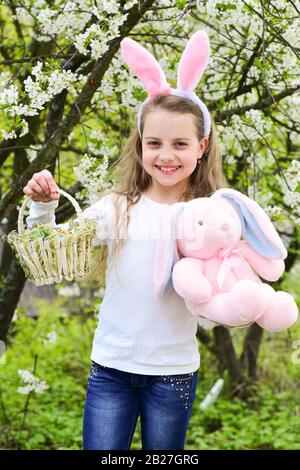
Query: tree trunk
(9, 296)
(229, 361)
(249, 356)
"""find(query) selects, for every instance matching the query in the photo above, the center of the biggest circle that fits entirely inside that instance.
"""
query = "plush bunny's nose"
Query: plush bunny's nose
(225, 226)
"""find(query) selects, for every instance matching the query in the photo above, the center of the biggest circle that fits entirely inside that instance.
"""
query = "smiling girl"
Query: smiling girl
(145, 356)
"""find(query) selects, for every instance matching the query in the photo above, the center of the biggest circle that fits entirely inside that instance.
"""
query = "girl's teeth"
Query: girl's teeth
(168, 168)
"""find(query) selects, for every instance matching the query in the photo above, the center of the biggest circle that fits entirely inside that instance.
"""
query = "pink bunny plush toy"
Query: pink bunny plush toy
(217, 250)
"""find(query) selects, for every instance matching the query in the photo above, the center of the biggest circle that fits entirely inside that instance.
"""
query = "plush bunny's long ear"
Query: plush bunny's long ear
(193, 61)
(166, 254)
(145, 67)
(257, 228)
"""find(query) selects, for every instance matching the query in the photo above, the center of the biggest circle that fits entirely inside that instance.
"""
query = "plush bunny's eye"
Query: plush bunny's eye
(200, 222)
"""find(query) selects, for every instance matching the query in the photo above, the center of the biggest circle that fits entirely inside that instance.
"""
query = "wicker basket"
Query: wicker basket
(47, 254)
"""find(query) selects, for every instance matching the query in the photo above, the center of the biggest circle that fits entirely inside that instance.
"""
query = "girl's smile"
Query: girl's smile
(168, 170)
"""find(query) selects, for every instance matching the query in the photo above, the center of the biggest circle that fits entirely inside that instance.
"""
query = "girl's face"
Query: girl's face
(170, 148)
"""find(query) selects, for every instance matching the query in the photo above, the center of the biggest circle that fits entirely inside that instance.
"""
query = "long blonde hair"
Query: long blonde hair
(133, 180)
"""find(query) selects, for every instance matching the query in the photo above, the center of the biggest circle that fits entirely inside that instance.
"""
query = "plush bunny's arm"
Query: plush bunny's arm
(269, 269)
(189, 281)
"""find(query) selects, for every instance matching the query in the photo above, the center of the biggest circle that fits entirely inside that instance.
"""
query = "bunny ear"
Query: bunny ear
(145, 67)
(257, 228)
(166, 255)
(193, 61)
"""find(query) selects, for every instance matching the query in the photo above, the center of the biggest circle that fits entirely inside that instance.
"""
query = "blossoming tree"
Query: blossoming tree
(66, 99)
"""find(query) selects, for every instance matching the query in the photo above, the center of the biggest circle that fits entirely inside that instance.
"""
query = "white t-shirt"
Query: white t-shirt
(137, 332)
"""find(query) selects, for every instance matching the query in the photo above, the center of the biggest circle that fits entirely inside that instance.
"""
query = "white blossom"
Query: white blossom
(92, 174)
(292, 174)
(9, 135)
(32, 152)
(289, 185)
(9, 95)
(25, 128)
(273, 211)
(94, 40)
(45, 87)
(51, 338)
(33, 383)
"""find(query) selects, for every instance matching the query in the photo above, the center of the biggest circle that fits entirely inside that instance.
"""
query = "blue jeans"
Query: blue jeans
(115, 399)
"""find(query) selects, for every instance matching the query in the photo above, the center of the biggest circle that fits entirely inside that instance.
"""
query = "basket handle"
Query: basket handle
(21, 228)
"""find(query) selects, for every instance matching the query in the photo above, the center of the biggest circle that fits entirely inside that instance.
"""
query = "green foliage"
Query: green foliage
(269, 420)
(53, 419)
(181, 4)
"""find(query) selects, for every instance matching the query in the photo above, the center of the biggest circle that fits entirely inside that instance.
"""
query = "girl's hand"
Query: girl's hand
(42, 187)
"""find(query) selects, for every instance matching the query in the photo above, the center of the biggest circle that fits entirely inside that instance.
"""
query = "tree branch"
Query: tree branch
(263, 103)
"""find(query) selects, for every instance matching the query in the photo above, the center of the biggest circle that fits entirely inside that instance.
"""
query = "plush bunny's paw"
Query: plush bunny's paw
(195, 295)
(280, 314)
(189, 282)
(250, 298)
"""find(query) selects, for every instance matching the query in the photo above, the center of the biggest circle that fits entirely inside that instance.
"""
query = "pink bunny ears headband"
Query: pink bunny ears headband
(191, 66)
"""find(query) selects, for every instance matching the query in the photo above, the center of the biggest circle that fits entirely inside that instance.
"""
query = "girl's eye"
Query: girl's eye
(178, 143)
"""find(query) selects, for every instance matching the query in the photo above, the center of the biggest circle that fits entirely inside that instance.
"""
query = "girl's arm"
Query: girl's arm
(44, 213)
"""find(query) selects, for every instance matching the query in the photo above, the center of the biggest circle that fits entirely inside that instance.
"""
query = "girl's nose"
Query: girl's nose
(166, 154)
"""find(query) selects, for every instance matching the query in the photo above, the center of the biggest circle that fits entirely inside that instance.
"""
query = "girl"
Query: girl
(145, 356)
